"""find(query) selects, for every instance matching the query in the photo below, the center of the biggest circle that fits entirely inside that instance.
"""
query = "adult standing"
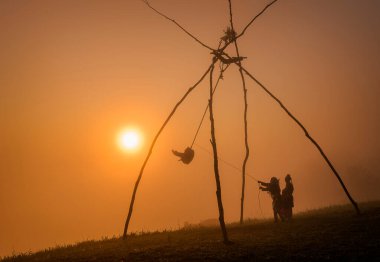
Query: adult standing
(287, 198)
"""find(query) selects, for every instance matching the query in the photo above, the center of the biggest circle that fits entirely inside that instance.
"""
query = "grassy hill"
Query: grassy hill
(326, 234)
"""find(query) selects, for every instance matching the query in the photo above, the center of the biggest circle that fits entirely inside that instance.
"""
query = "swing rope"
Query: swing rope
(222, 70)
(227, 163)
(238, 169)
(258, 197)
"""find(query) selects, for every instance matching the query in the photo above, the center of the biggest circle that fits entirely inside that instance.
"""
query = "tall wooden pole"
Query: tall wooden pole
(245, 121)
(216, 168)
(152, 146)
(308, 136)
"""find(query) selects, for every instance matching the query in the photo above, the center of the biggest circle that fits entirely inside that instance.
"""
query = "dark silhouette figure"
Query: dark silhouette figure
(273, 187)
(186, 157)
(287, 198)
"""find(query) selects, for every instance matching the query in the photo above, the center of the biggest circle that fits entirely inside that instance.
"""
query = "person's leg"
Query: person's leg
(286, 213)
(275, 215)
(281, 214)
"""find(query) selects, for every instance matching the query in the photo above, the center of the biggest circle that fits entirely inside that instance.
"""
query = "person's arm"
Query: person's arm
(264, 188)
(263, 183)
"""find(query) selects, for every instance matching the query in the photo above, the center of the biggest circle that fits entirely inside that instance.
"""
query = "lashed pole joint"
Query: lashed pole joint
(196, 38)
(249, 24)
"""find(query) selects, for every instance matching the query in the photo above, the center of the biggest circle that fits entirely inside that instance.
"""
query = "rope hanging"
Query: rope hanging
(227, 163)
(237, 169)
(188, 154)
(222, 70)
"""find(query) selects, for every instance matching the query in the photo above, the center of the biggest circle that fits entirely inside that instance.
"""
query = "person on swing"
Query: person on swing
(186, 157)
(273, 188)
(287, 198)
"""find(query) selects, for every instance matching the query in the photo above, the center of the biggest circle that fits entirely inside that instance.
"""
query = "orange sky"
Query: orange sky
(73, 73)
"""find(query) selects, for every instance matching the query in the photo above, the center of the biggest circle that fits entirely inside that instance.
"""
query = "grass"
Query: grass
(325, 234)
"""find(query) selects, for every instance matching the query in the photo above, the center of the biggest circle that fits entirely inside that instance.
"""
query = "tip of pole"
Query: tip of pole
(358, 212)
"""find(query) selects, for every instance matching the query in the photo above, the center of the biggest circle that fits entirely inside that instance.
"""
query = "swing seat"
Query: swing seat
(186, 157)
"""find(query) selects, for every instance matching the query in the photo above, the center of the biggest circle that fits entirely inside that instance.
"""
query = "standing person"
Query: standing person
(273, 187)
(287, 198)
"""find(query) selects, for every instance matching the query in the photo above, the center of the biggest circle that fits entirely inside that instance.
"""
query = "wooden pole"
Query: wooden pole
(216, 168)
(308, 136)
(177, 24)
(152, 146)
(248, 25)
(245, 122)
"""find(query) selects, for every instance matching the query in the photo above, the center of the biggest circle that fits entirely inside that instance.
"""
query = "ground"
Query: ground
(327, 234)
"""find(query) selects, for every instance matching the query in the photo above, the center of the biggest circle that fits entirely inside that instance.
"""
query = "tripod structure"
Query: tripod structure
(225, 60)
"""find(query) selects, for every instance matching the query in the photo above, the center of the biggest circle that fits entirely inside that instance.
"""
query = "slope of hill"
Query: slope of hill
(325, 234)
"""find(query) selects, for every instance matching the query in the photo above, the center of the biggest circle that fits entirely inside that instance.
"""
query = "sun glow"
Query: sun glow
(129, 140)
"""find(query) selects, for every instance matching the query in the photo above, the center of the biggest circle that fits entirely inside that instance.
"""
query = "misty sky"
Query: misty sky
(74, 73)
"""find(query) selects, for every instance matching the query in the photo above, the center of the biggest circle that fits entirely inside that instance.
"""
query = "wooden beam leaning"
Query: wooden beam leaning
(153, 144)
(355, 205)
(245, 118)
(249, 24)
(204, 112)
(216, 167)
(177, 24)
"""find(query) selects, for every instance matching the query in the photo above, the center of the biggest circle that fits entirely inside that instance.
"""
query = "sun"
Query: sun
(129, 140)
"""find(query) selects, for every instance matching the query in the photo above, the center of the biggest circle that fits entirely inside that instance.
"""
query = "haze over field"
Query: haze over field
(73, 74)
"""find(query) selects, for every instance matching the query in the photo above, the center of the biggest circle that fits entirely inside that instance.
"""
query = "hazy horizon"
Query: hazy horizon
(73, 74)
